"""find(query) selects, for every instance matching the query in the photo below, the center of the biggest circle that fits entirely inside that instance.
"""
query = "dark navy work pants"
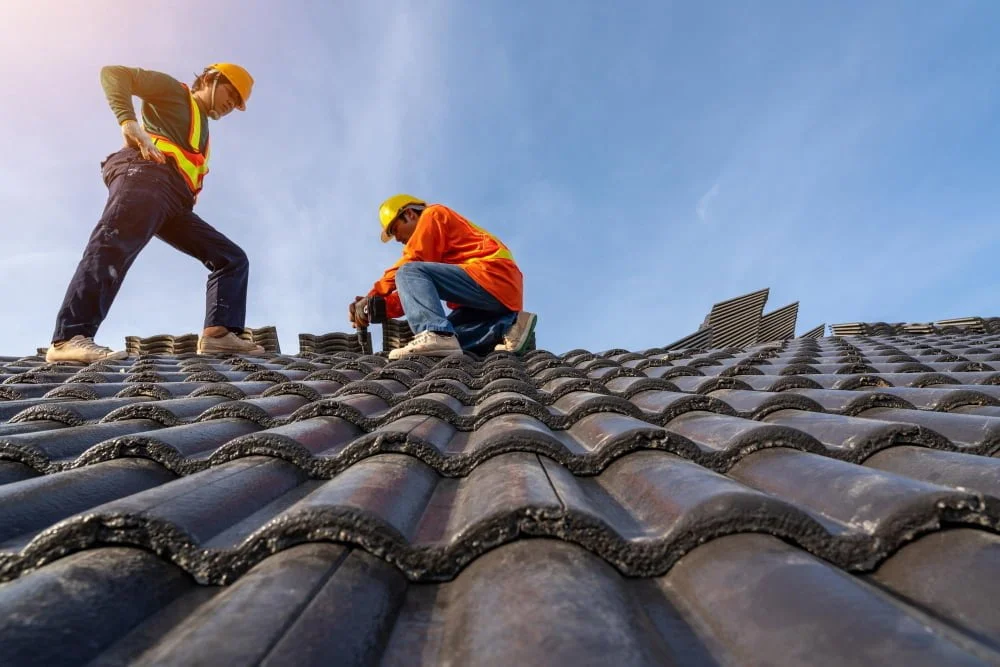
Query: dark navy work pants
(146, 199)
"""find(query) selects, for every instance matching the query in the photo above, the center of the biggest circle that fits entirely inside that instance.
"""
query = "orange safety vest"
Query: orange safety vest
(192, 164)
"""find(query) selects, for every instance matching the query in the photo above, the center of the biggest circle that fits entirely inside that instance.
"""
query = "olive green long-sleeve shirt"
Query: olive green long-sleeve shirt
(166, 103)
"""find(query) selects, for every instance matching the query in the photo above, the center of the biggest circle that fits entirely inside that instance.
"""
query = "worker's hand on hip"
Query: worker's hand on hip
(357, 310)
(136, 136)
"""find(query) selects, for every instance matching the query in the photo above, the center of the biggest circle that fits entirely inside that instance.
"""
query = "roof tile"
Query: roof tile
(315, 486)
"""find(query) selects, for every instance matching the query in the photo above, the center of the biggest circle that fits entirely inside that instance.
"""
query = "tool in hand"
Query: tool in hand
(372, 312)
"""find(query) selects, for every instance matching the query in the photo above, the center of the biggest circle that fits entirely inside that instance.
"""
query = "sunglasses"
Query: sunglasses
(235, 94)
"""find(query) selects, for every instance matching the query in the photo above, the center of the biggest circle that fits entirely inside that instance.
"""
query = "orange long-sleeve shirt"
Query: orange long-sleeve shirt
(444, 236)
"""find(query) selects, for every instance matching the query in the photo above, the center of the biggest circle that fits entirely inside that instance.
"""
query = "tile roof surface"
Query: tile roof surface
(810, 501)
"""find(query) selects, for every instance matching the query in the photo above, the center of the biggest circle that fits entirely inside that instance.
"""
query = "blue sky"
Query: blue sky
(642, 162)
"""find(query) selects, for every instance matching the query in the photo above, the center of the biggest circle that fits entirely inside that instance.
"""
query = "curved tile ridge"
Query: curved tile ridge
(150, 411)
(471, 397)
(79, 392)
(293, 389)
(135, 447)
(53, 413)
(240, 410)
(151, 390)
(331, 375)
(8, 394)
(476, 382)
(324, 446)
(27, 454)
(641, 515)
(370, 411)
(88, 376)
(222, 389)
(206, 376)
(267, 375)
(451, 453)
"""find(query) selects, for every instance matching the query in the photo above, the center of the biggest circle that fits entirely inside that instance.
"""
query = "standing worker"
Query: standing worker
(153, 183)
(446, 257)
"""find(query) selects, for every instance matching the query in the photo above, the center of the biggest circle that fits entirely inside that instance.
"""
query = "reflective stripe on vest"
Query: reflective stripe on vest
(502, 251)
(191, 164)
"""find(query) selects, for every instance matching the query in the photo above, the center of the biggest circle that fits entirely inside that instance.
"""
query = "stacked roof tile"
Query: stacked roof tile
(778, 324)
(162, 344)
(957, 325)
(812, 501)
(395, 334)
(817, 332)
(266, 337)
(741, 322)
(332, 343)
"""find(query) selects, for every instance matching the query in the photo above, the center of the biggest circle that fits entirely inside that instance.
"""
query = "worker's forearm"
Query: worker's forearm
(117, 84)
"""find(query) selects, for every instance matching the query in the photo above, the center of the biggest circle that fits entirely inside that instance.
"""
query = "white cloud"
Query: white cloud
(705, 201)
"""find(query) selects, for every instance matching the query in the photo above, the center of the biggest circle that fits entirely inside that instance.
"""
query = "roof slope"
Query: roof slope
(821, 501)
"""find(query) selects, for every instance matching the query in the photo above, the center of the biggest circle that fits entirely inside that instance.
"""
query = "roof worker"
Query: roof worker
(447, 258)
(153, 182)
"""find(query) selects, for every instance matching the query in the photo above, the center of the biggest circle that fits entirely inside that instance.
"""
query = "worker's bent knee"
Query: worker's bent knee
(410, 269)
(236, 259)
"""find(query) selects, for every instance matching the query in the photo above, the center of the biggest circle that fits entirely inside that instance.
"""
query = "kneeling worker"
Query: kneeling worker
(447, 258)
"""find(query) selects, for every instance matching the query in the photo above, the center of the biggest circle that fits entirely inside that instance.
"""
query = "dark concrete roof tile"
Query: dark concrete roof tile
(774, 604)
(955, 469)
(862, 499)
(721, 439)
(780, 382)
(27, 506)
(50, 450)
(944, 398)
(849, 402)
(967, 596)
(980, 434)
(12, 471)
(759, 404)
(302, 482)
(181, 449)
(69, 611)
(856, 438)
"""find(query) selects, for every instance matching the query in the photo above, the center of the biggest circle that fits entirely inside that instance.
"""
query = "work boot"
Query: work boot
(429, 343)
(517, 336)
(82, 349)
(228, 344)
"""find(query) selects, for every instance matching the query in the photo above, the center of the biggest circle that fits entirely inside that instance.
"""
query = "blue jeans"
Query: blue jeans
(146, 199)
(480, 320)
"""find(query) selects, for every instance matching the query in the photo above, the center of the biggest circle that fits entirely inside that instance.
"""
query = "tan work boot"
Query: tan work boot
(83, 350)
(516, 338)
(429, 343)
(228, 344)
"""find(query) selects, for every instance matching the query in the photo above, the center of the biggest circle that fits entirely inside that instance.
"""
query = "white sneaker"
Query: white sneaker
(429, 343)
(83, 350)
(516, 338)
(228, 344)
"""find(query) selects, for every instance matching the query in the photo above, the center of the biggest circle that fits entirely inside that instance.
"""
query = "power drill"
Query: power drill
(374, 313)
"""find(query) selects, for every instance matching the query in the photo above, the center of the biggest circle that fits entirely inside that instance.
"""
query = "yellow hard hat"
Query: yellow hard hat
(391, 208)
(239, 77)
